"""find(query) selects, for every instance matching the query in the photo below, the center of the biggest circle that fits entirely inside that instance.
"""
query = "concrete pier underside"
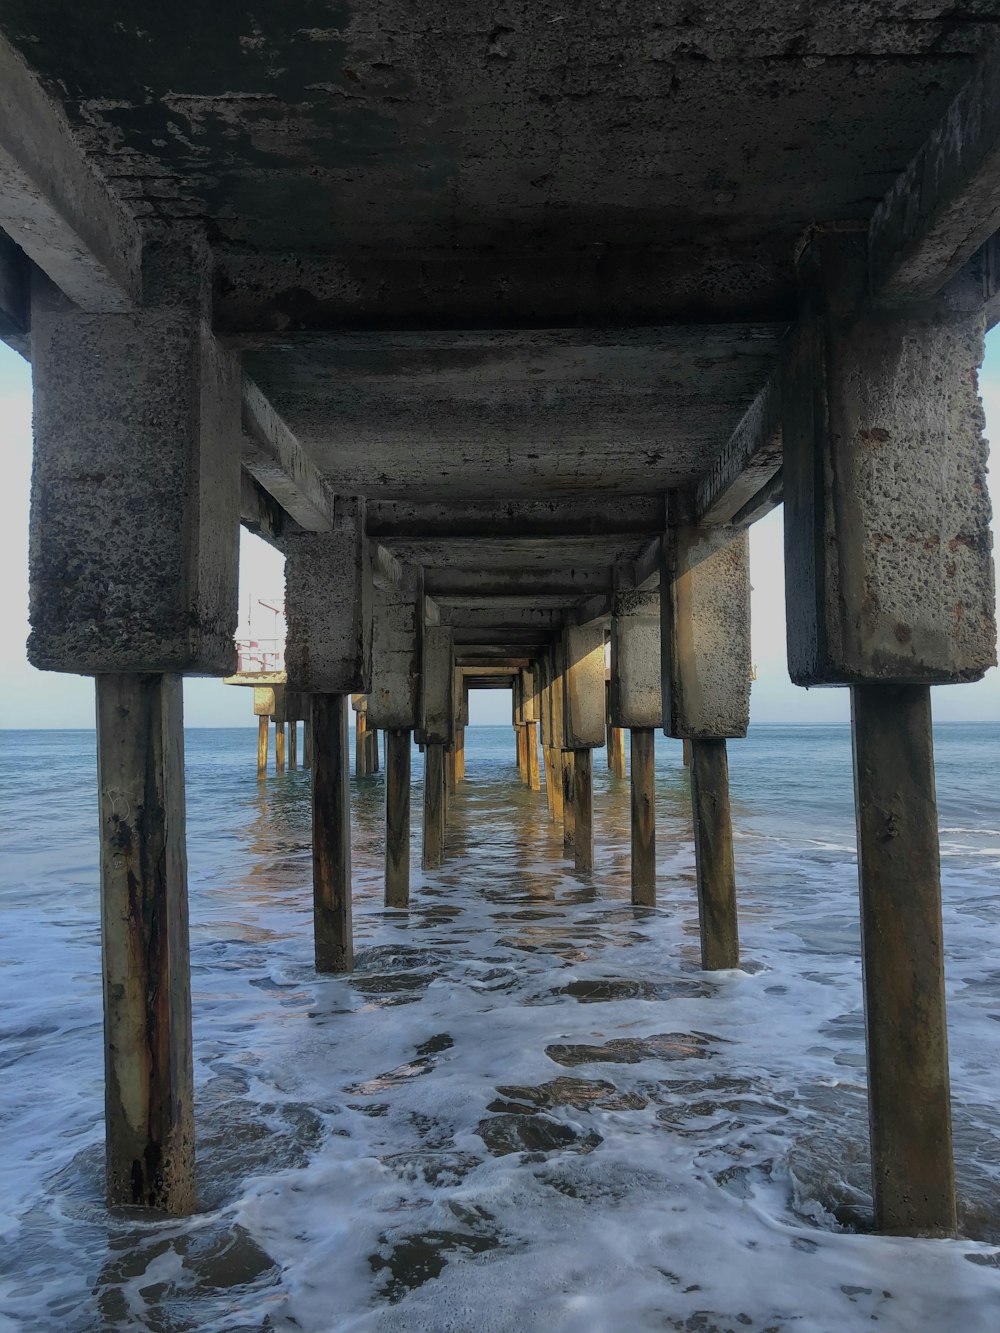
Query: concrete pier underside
(504, 321)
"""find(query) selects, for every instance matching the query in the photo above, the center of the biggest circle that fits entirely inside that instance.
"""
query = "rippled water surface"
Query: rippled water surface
(527, 1109)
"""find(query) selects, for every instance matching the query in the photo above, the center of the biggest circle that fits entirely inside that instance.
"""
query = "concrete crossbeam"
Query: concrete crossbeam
(510, 520)
(749, 460)
(135, 494)
(946, 203)
(888, 566)
(328, 606)
(54, 203)
(273, 456)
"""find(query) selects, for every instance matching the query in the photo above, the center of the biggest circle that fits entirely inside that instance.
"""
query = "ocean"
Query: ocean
(527, 1109)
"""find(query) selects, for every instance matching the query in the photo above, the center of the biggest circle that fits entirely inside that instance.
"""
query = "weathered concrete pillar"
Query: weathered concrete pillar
(393, 705)
(361, 751)
(263, 728)
(705, 660)
(437, 729)
(293, 743)
(556, 764)
(643, 792)
(328, 607)
(636, 702)
(713, 836)
(903, 954)
(583, 810)
(434, 812)
(889, 587)
(279, 747)
(583, 729)
(331, 834)
(397, 817)
(133, 578)
(529, 713)
(149, 1092)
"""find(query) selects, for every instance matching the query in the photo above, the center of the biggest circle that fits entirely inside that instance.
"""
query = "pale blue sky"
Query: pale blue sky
(29, 698)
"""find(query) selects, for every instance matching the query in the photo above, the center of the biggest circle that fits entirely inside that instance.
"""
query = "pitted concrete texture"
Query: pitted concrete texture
(394, 701)
(705, 610)
(135, 495)
(889, 570)
(437, 718)
(636, 695)
(584, 716)
(328, 607)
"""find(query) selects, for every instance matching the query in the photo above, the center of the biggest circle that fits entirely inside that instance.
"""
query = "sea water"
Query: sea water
(527, 1108)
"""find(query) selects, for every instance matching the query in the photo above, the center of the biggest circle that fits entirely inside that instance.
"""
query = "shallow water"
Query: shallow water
(527, 1108)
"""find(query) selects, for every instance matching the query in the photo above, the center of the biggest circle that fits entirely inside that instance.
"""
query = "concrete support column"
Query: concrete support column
(583, 729)
(434, 812)
(643, 817)
(438, 730)
(149, 1086)
(328, 605)
(361, 751)
(583, 810)
(889, 587)
(903, 957)
(713, 841)
(705, 659)
(134, 549)
(331, 834)
(397, 817)
(635, 701)
(263, 730)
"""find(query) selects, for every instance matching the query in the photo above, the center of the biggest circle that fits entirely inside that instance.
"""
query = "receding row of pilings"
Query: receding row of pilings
(137, 496)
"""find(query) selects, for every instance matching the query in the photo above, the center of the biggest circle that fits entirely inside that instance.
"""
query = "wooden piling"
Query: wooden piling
(279, 747)
(522, 752)
(434, 814)
(293, 744)
(713, 848)
(263, 726)
(331, 834)
(903, 960)
(643, 817)
(450, 770)
(583, 810)
(372, 742)
(397, 818)
(360, 744)
(149, 1084)
(307, 742)
(531, 746)
(568, 798)
(460, 755)
(616, 751)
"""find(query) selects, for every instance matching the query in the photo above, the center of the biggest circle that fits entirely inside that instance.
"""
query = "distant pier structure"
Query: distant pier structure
(504, 334)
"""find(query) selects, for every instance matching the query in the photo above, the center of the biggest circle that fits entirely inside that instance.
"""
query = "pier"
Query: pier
(504, 331)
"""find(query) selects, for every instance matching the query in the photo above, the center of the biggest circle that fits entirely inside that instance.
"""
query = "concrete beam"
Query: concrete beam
(15, 290)
(273, 455)
(54, 204)
(749, 460)
(590, 517)
(328, 604)
(270, 296)
(260, 513)
(567, 585)
(388, 573)
(946, 203)
(583, 683)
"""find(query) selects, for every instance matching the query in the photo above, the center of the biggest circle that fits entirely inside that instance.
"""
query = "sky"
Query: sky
(30, 698)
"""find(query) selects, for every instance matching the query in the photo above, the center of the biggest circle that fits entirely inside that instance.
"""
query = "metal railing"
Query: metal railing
(259, 655)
